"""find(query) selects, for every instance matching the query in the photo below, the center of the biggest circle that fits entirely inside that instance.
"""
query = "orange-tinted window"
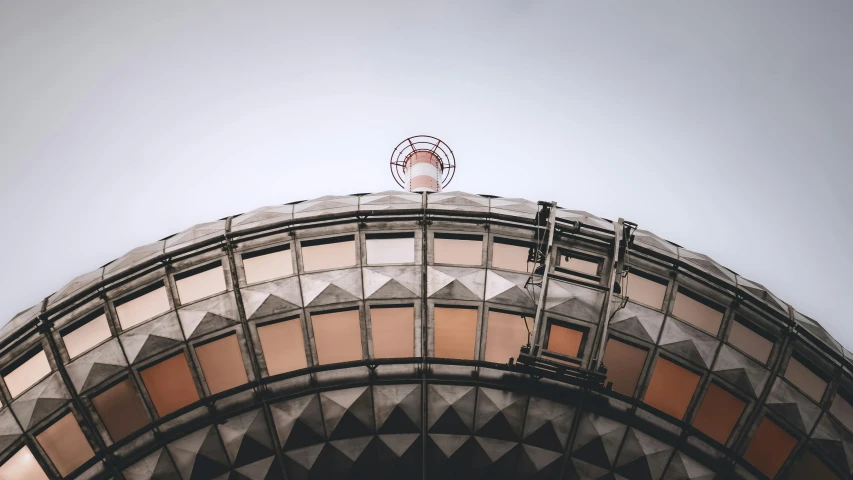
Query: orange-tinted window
(809, 467)
(27, 374)
(337, 336)
(750, 342)
(769, 448)
(506, 335)
(264, 265)
(137, 309)
(283, 346)
(843, 411)
(624, 364)
(564, 340)
(196, 284)
(805, 379)
(387, 249)
(455, 332)
(393, 331)
(121, 410)
(511, 257)
(464, 250)
(644, 290)
(170, 384)
(22, 466)
(86, 336)
(719, 413)
(671, 388)
(222, 364)
(65, 444)
(328, 253)
(697, 313)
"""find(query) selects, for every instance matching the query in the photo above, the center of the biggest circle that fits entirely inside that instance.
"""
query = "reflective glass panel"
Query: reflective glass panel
(390, 250)
(455, 332)
(170, 384)
(328, 255)
(142, 308)
(27, 374)
(22, 466)
(260, 268)
(200, 285)
(809, 467)
(697, 313)
(511, 257)
(643, 290)
(564, 340)
(222, 364)
(624, 364)
(86, 336)
(719, 413)
(769, 448)
(65, 444)
(121, 410)
(506, 335)
(458, 251)
(393, 331)
(337, 336)
(283, 346)
(671, 388)
(843, 411)
(750, 342)
(805, 379)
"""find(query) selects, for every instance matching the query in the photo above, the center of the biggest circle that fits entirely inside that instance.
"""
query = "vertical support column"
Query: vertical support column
(540, 305)
(613, 275)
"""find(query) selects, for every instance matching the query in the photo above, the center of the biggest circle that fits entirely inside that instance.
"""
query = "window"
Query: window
(843, 411)
(458, 249)
(222, 364)
(697, 312)
(624, 364)
(385, 248)
(85, 336)
(283, 346)
(644, 289)
(809, 467)
(671, 388)
(26, 372)
(328, 253)
(65, 444)
(455, 332)
(337, 336)
(200, 282)
(807, 381)
(563, 339)
(393, 331)
(719, 413)
(120, 410)
(506, 335)
(750, 342)
(579, 264)
(263, 265)
(170, 384)
(22, 466)
(769, 448)
(511, 255)
(142, 305)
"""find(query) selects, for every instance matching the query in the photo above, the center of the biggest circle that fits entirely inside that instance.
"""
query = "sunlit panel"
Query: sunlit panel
(719, 413)
(506, 335)
(22, 466)
(328, 253)
(393, 332)
(671, 388)
(199, 285)
(697, 313)
(86, 336)
(769, 448)
(337, 336)
(222, 364)
(461, 250)
(65, 444)
(750, 342)
(121, 410)
(27, 374)
(386, 250)
(136, 310)
(455, 332)
(170, 384)
(283, 346)
(805, 379)
(564, 340)
(624, 364)
(511, 257)
(643, 290)
(267, 265)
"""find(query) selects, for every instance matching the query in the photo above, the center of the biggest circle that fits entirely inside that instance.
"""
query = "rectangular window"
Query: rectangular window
(769, 448)
(200, 282)
(719, 413)
(268, 264)
(120, 410)
(142, 305)
(563, 339)
(697, 312)
(222, 364)
(512, 255)
(389, 248)
(506, 335)
(805, 379)
(624, 364)
(337, 336)
(283, 346)
(393, 330)
(85, 336)
(328, 253)
(809, 467)
(843, 411)
(455, 332)
(458, 249)
(170, 384)
(750, 342)
(65, 444)
(671, 388)
(644, 289)
(22, 466)
(26, 372)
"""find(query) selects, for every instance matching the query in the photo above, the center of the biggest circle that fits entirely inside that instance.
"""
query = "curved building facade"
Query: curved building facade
(370, 336)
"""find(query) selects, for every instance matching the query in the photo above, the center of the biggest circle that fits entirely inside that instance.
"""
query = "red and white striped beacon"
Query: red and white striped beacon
(423, 164)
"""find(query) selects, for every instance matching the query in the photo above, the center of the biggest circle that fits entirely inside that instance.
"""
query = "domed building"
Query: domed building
(420, 335)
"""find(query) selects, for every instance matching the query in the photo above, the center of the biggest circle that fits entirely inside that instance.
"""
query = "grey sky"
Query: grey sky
(723, 126)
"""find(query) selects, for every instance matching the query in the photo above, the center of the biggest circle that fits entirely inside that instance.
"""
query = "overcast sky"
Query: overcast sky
(724, 126)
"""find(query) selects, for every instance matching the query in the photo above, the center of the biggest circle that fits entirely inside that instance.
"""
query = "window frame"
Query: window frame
(546, 336)
(486, 322)
(324, 310)
(329, 240)
(103, 388)
(259, 347)
(478, 325)
(744, 414)
(564, 254)
(369, 325)
(690, 408)
(504, 240)
(197, 270)
(473, 237)
(651, 278)
(390, 235)
(18, 362)
(141, 292)
(203, 376)
(749, 325)
(82, 322)
(690, 293)
(267, 250)
(813, 369)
